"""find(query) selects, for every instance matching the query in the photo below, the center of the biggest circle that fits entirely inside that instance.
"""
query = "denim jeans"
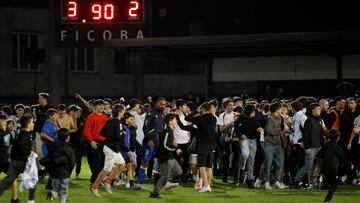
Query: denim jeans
(309, 162)
(247, 158)
(273, 153)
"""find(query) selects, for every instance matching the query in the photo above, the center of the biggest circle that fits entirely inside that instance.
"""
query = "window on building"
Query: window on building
(24, 46)
(82, 60)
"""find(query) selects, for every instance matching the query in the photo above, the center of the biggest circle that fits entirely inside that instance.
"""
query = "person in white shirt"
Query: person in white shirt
(226, 127)
(182, 137)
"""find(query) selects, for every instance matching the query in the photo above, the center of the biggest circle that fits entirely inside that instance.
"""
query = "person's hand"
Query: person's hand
(308, 151)
(77, 95)
(150, 143)
(349, 146)
(243, 137)
(178, 151)
(31, 154)
(357, 130)
(301, 145)
(259, 129)
(93, 145)
(130, 154)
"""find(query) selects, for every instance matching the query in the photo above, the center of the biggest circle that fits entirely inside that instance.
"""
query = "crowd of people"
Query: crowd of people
(297, 143)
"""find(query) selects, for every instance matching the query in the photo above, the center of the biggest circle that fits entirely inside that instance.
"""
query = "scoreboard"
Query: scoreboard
(87, 23)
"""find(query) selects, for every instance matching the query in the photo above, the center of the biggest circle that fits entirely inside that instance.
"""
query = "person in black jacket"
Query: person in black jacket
(169, 167)
(114, 133)
(332, 154)
(62, 158)
(128, 147)
(206, 124)
(313, 139)
(20, 151)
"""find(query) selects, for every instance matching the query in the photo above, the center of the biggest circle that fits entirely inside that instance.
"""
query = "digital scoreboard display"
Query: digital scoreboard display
(87, 23)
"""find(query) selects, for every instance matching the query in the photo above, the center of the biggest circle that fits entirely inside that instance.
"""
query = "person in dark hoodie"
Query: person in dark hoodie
(62, 158)
(128, 147)
(332, 154)
(20, 151)
(169, 167)
(313, 139)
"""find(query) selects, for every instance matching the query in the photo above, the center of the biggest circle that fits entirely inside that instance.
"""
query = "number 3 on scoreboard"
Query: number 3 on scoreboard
(72, 9)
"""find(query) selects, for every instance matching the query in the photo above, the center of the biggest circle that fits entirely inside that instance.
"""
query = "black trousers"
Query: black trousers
(236, 164)
(79, 148)
(226, 161)
(183, 158)
(16, 167)
(332, 183)
(95, 159)
(296, 160)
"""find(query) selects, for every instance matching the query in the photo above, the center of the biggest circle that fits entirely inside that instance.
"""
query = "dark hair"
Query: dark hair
(61, 107)
(160, 99)
(98, 102)
(73, 107)
(146, 108)
(248, 109)
(44, 95)
(126, 116)
(50, 112)
(91, 101)
(227, 101)
(214, 103)
(18, 106)
(110, 101)
(297, 105)
(334, 134)
(275, 106)
(133, 102)
(116, 109)
(63, 134)
(304, 101)
(2, 117)
(169, 117)
(313, 106)
(7, 110)
(27, 109)
(351, 99)
(339, 98)
(180, 102)
(25, 120)
(206, 106)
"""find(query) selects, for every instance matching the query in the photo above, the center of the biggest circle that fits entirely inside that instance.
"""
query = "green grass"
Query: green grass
(78, 193)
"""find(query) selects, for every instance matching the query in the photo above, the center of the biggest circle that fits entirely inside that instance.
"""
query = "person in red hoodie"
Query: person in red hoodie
(93, 125)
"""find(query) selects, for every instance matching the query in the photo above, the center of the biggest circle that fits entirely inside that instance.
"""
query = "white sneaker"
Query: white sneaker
(205, 189)
(358, 183)
(31, 201)
(169, 185)
(277, 185)
(257, 183)
(127, 184)
(267, 186)
(95, 192)
(354, 182)
(343, 179)
(284, 186)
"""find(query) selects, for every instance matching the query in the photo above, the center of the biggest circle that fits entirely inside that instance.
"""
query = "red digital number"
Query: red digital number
(96, 9)
(133, 11)
(109, 11)
(72, 9)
